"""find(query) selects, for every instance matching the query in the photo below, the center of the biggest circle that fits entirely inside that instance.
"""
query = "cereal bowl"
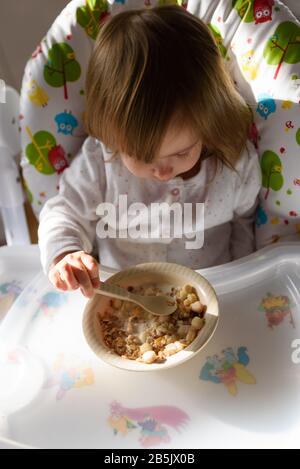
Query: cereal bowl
(165, 277)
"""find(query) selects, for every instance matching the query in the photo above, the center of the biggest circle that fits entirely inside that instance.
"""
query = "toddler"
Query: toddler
(166, 125)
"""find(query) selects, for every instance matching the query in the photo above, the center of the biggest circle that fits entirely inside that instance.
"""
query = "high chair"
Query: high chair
(11, 193)
(52, 99)
(51, 108)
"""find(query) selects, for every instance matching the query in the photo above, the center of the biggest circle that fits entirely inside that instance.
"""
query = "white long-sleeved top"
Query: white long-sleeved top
(70, 220)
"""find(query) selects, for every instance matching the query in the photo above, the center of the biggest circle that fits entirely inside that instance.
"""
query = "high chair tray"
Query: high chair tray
(242, 391)
(18, 266)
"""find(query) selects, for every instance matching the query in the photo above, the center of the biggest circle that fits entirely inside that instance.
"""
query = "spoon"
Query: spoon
(161, 305)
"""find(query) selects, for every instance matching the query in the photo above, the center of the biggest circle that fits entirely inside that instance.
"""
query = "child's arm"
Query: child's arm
(68, 220)
(248, 184)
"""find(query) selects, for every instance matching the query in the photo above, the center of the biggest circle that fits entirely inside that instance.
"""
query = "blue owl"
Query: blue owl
(266, 105)
(66, 123)
(261, 216)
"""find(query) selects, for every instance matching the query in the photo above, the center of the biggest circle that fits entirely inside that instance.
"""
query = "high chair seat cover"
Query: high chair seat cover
(260, 43)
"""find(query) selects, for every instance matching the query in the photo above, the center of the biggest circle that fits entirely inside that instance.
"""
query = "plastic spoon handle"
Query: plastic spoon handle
(108, 289)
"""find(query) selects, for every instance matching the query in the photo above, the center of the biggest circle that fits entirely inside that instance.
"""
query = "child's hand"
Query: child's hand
(73, 270)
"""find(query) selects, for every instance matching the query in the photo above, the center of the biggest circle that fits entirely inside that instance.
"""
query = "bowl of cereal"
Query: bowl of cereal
(124, 335)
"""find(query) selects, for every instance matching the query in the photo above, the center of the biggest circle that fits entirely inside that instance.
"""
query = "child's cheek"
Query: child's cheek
(140, 172)
(182, 165)
(136, 168)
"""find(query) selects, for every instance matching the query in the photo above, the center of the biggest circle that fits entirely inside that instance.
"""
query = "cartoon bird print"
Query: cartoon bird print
(57, 158)
(152, 422)
(276, 308)
(37, 95)
(50, 305)
(67, 376)
(167, 415)
(66, 123)
(262, 10)
(228, 368)
(266, 105)
(8, 293)
(152, 433)
(230, 356)
(213, 365)
(249, 67)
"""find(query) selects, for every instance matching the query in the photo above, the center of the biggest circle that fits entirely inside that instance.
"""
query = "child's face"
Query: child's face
(179, 152)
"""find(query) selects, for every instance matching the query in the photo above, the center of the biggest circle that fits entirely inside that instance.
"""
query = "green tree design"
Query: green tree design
(37, 151)
(218, 38)
(169, 2)
(90, 16)
(271, 172)
(61, 67)
(182, 3)
(244, 9)
(298, 136)
(283, 46)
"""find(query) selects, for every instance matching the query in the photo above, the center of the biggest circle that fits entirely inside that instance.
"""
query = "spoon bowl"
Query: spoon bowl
(161, 305)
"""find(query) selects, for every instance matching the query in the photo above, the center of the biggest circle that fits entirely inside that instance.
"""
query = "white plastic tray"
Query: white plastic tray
(243, 391)
(18, 265)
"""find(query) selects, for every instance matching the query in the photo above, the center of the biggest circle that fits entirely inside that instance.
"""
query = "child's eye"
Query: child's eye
(183, 155)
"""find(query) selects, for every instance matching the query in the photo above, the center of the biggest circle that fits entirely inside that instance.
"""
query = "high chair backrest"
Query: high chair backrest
(11, 193)
(260, 43)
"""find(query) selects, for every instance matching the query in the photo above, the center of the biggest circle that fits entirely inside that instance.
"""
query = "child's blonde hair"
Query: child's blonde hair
(156, 66)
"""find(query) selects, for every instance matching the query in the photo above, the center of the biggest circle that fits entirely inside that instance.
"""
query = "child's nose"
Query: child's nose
(163, 172)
